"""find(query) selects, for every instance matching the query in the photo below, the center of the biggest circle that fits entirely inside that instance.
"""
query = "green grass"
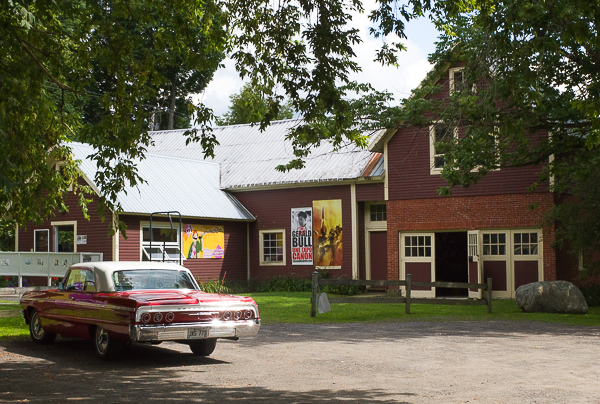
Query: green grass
(9, 306)
(294, 307)
(13, 327)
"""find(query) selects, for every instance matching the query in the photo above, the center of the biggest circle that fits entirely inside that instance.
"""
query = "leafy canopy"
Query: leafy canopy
(250, 106)
(530, 68)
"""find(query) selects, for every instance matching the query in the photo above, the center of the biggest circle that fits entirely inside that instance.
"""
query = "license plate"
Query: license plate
(194, 333)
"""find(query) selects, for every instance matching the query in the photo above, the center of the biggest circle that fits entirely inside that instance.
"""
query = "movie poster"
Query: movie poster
(203, 241)
(302, 241)
(327, 233)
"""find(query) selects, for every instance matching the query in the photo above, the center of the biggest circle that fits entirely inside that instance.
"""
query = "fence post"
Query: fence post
(489, 294)
(408, 289)
(313, 299)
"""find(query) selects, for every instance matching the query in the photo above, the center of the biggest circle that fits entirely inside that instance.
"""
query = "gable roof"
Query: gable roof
(248, 157)
(190, 187)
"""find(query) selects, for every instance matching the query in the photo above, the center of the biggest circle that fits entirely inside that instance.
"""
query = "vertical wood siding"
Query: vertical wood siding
(96, 231)
(272, 209)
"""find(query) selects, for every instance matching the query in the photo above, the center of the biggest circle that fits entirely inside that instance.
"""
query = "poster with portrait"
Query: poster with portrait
(302, 241)
(327, 233)
(203, 241)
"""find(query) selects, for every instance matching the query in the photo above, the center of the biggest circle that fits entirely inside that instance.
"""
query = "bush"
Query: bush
(12, 282)
(591, 294)
(214, 286)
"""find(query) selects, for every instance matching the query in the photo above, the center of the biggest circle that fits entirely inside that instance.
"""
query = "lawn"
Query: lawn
(294, 307)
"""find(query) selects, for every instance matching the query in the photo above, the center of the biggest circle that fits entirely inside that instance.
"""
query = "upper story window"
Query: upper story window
(378, 213)
(441, 138)
(456, 79)
(165, 243)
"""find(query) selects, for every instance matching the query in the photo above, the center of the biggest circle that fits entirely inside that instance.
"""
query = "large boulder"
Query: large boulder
(551, 297)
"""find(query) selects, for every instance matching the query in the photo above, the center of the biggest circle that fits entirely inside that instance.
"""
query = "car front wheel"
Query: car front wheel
(106, 347)
(37, 333)
(203, 347)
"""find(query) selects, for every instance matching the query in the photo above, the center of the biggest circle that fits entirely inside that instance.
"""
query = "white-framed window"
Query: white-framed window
(417, 246)
(456, 79)
(41, 240)
(441, 138)
(494, 243)
(165, 243)
(59, 166)
(378, 213)
(526, 243)
(64, 236)
(272, 247)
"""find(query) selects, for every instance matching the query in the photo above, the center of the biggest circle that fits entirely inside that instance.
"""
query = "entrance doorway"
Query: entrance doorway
(64, 238)
(451, 258)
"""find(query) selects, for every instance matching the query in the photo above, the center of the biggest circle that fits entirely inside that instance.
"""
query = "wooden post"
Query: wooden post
(408, 289)
(489, 294)
(313, 299)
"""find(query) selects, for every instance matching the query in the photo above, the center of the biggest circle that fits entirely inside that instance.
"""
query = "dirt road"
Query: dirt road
(409, 362)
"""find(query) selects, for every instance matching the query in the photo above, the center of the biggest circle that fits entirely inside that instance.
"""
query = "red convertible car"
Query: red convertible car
(116, 303)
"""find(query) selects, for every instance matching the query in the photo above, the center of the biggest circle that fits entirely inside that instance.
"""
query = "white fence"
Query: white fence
(49, 265)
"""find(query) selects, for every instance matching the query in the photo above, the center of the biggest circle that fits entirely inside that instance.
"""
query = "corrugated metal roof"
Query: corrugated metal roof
(173, 184)
(248, 157)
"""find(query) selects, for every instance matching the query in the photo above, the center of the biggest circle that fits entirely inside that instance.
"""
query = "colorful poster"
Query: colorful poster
(302, 241)
(327, 233)
(203, 241)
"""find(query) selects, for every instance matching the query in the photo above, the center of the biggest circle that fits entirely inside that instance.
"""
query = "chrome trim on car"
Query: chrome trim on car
(178, 332)
(196, 309)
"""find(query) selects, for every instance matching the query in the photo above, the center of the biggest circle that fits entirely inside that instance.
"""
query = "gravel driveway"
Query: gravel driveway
(408, 362)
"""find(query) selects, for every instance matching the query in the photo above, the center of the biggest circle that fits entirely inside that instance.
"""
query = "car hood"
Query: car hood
(157, 297)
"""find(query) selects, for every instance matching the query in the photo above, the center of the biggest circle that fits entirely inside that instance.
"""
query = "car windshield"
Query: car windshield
(138, 279)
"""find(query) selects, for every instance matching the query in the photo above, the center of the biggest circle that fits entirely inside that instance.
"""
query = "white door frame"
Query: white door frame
(430, 259)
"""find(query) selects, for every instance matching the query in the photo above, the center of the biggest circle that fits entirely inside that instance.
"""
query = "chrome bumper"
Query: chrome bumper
(179, 332)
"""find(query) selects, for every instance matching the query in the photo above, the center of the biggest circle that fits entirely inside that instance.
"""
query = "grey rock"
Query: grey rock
(551, 297)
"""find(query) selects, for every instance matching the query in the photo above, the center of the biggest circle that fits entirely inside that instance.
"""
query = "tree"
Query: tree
(97, 71)
(250, 106)
(530, 69)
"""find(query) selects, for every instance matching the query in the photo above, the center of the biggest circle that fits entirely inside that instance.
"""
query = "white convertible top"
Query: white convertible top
(103, 270)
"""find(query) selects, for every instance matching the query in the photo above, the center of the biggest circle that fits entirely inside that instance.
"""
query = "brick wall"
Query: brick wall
(469, 213)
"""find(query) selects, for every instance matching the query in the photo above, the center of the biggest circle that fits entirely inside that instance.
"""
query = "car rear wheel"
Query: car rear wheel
(37, 333)
(203, 347)
(106, 347)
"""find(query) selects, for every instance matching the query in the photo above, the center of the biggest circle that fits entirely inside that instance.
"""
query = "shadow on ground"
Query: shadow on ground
(68, 371)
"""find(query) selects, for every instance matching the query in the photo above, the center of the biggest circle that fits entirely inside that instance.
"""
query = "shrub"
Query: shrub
(591, 294)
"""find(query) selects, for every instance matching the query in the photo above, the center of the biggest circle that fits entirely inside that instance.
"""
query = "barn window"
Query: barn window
(272, 247)
(165, 243)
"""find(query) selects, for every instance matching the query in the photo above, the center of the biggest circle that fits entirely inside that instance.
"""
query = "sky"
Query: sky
(398, 81)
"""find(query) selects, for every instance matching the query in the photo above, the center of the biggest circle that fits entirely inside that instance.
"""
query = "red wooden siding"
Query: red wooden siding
(234, 261)
(409, 174)
(272, 209)
(96, 231)
(370, 192)
(362, 268)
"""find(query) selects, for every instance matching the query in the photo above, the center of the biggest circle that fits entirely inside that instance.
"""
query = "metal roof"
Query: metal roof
(172, 184)
(248, 157)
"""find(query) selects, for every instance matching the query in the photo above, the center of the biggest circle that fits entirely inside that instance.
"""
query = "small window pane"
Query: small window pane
(533, 237)
(525, 237)
(517, 237)
(486, 239)
(428, 251)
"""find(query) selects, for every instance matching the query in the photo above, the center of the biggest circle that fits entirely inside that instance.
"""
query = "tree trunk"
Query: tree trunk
(171, 121)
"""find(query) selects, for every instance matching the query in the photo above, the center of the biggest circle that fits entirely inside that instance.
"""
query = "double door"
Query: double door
(510, 257)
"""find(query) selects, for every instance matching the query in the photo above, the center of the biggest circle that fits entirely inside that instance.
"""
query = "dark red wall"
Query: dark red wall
(272, 209)
(96, 231)
(234, 260)
(409, 174)
(370, 192)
